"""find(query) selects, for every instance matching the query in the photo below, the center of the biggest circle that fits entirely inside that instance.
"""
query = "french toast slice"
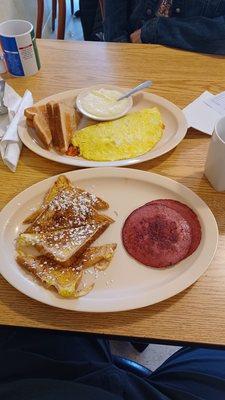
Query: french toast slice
(66, 279)
(65, 245)
(74, 215)
(67, 208)
(98, 256)
(56, 246)
(63, 183)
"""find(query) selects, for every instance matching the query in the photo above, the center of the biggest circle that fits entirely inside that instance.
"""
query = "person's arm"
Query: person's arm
(115, 21)
(199, 34)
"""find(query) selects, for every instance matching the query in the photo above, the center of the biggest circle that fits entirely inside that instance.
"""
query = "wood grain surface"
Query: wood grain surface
(197, 314)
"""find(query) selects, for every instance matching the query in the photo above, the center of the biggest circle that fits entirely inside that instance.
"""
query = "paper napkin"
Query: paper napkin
(10, 143)
(217, 103)
(200, 115)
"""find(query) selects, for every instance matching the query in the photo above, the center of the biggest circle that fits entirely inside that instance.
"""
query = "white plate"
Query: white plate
(173, 118)
(134, 285)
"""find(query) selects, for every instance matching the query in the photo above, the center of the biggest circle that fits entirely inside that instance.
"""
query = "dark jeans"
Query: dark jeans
(49, 365)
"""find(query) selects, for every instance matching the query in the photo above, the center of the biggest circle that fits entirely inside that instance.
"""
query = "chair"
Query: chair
(61, 16)
(131, 366)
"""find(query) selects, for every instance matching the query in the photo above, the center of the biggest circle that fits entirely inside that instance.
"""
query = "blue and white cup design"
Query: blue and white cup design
(19, 47)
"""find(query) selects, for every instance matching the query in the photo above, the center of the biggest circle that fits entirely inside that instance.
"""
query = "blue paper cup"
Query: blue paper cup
(19, 47)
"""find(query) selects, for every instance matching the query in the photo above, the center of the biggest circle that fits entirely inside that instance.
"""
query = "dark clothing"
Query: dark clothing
(196, 25)
(43, 365)
(91, 20)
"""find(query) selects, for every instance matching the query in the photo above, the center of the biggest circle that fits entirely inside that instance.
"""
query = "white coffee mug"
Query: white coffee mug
(215, 162)
(19, 47)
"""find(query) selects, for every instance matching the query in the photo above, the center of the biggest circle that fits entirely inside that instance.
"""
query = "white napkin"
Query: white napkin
(217, 103)
(10, 145)
(200, 115)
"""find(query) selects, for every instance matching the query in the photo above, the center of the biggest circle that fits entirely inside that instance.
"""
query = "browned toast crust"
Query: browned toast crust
(62, 120)
(30, 123)
(42, 130)
(78, 253)
(63, 124)
(77, 118)
(51, 120)
(69, 207)
(55, 248)
(63, 183)
(31, 111)
(66, 280)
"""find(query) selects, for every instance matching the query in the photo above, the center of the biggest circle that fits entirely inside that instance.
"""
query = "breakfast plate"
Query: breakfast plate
(173, 119)
(126, 284)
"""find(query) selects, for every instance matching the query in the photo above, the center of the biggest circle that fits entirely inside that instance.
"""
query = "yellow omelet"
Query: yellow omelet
(127, 137)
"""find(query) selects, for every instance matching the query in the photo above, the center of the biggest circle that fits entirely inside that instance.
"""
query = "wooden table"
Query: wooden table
(195, 315)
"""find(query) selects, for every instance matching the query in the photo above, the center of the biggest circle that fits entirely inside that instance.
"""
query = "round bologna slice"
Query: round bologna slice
(189, 216)
(156, 236)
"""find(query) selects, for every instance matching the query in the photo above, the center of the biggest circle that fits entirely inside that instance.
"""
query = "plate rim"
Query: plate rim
(83, 163)
(119, 172)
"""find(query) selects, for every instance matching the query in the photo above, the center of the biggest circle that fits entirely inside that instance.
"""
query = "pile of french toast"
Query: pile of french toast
(54, 123)
(56, 244)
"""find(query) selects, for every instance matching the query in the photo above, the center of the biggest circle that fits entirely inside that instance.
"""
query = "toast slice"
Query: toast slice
(98, 256)
(66, 279)
(30, 112)
(42, 129)
(64, 245)
(66, 206)
(30, 123)
(66, 212)
(65, 125)
(70, 102)
(37, 118)
(54, 122)
(51, 119)
(63, 183)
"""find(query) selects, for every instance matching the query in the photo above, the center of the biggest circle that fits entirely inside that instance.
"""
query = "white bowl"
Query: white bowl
(95, 117)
